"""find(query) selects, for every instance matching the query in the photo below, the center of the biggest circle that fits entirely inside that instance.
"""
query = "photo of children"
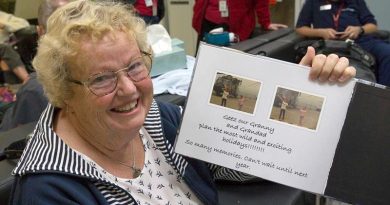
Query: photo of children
(235, 92)
(297, 108)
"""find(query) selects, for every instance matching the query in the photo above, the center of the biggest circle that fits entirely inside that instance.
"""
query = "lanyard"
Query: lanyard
(336, 16)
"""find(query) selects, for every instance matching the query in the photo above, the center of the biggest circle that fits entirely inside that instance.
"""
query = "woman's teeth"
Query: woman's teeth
(127, 107)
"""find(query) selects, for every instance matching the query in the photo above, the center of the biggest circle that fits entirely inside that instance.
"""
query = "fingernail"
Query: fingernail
(332, 79)
(342, 79)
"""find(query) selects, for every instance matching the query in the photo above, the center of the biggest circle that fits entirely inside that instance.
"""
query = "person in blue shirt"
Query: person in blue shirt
(346, 19)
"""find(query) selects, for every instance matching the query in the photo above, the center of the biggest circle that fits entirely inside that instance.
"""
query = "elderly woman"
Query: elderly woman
(103, 139)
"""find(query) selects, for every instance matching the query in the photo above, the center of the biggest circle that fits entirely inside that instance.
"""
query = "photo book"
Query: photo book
(264, 117)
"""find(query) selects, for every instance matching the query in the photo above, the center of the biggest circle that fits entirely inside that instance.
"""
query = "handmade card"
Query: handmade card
(263, 117)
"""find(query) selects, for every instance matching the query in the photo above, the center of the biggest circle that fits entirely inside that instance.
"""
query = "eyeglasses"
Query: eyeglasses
(104, 83)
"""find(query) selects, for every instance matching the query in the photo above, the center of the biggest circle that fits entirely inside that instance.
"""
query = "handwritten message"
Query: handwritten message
(246, 135)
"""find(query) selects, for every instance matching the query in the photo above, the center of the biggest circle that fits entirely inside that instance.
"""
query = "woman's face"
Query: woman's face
(124, 110)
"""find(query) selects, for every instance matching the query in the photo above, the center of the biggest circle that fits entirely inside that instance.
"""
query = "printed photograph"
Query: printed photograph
(235, 92)
(297, 108)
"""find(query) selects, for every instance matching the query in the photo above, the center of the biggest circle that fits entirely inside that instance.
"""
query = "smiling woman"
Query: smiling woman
(103, 139)
(94, 64)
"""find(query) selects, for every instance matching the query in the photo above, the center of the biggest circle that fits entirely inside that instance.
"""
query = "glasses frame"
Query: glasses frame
(86, 82)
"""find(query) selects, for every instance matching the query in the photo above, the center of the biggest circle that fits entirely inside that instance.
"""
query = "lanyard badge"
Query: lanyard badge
(336, 17)
(326, 7)
(223, 9)
(153, 4)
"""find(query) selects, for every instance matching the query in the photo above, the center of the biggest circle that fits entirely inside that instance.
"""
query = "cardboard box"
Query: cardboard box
(167, 61)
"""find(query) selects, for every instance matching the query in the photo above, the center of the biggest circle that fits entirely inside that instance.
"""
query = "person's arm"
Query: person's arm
(370, 28)
(276, 26)
(305, 21)
(353, 32)
(325, 33)
(11, 61)
(367, 22)
(21, 73)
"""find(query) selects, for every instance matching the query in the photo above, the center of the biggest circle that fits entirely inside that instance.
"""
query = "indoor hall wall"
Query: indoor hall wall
(27, 9)
(380, 8)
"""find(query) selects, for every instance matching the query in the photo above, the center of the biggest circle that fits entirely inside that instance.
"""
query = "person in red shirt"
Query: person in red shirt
(237, 16)
(151, 11)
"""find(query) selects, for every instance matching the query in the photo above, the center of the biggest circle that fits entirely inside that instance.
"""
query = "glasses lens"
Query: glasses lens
(137, 70)
(103, 83)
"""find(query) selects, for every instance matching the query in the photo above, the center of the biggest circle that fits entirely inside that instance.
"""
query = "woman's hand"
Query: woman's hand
(331, 67)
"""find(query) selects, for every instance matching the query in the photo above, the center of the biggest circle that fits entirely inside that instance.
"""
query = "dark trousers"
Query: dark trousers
(281, 114)
(223, 102)
(381, 50)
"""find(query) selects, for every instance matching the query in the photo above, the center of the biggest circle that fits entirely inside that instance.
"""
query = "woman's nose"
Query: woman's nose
(125, 85)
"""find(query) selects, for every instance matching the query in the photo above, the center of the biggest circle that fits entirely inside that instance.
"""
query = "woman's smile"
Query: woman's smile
(126, 108)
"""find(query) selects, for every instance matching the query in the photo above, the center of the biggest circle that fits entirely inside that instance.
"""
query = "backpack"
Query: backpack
(363, 61)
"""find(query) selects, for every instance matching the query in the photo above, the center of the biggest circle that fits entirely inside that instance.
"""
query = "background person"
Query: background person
(45, 9)
(346, 19)
(12, 66)
(241, 102)
(100, 140)
(151, 11)
(283, 108)
(30, 98)
(237, 16)
(224, 97)
(302, 113)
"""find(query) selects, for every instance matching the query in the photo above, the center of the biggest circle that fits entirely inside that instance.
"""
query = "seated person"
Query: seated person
(346, 19)
(30, 102)
(12, 63)
(100, 140)
(12, 66)
(30, 98)
(151, 11)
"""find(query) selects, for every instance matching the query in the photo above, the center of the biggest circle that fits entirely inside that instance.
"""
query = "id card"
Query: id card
(149, 3)
(326, 7)
(223, 9)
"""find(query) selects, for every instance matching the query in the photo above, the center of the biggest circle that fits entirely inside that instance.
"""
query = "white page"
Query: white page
(253, 140)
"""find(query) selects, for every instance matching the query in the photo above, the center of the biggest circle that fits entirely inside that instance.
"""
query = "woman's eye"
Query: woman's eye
(106, 78)
(135, 66)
